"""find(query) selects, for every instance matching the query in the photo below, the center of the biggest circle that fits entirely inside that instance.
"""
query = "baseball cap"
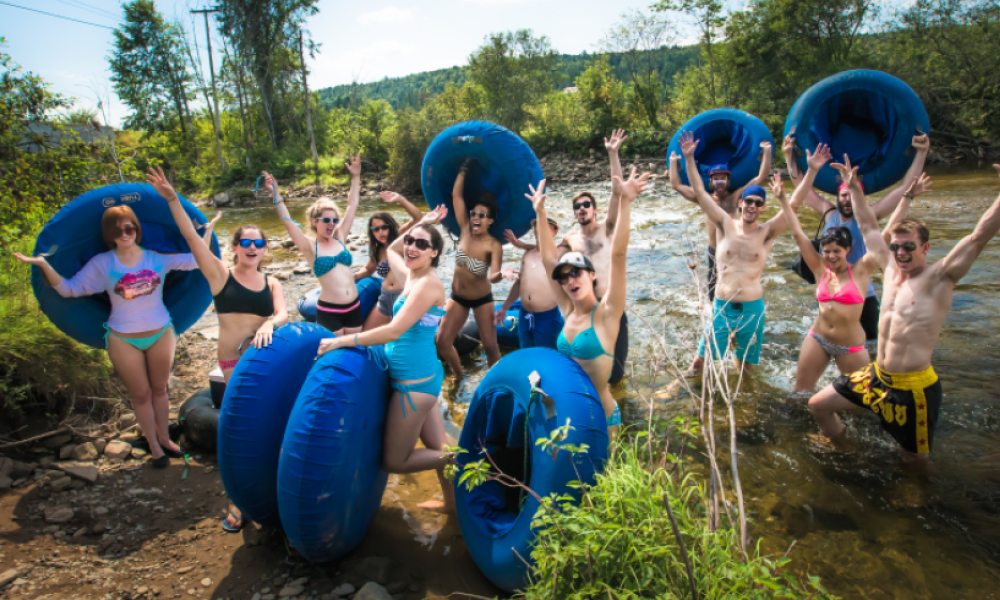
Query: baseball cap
(573, 259)
(719, 170)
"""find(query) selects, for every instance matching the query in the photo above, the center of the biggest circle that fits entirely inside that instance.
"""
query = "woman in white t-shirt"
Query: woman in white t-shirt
(140, 336)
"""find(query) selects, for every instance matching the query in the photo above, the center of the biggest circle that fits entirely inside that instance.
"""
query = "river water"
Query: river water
(871, 528)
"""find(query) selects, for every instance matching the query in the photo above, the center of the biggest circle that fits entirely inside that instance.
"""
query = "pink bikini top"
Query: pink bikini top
(848, 294)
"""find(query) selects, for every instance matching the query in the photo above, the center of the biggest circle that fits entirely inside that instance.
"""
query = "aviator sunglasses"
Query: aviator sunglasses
(126, 230)
(419, 243)
(246, 243)
(584, 204)
(329, 220)
(565, 275)
(908, 246)
(379, 228)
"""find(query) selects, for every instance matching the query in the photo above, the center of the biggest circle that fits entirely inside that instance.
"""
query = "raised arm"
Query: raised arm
(617, 138)
(614, 299)
(918, 186)
(815, 161)
(547, 245)
(212, 267)
(960, 259)
(397, 264)
(808, 251)
(765, 165)
(209, 228)
(708, 204)
(812, 199)
(458, 197)
(675, 179)
(413, 211)
(353, 198)
(513, 241)
(303, 243)
(887, 205)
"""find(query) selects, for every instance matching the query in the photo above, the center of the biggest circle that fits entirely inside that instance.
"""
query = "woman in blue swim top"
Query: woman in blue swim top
(414, 369)
(140, 336)
(591, 328)
(338, 308)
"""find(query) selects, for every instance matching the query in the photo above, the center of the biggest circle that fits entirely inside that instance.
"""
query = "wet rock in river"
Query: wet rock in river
(372, 591)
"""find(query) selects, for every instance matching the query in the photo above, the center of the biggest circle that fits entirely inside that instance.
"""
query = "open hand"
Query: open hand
(262, 338)
(688, 143)
(330, 344)
(435, 216)
(510, 273)
(617, 137)
(674, 157)
(390, 197)
(537, 196)
(633, 187)
(820, 157)
(31, 260)
(777, 186)
(921, 142)
(215, 219)
(788, 146)
(499, 317)
(848, 174)
(270, 183)
(354, 165)
(158, 180)
(921, 185)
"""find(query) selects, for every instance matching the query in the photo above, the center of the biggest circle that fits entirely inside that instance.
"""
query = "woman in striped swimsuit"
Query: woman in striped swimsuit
(477, 268)
(383, 230)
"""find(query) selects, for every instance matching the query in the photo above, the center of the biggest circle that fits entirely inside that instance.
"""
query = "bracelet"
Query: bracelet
(910, 196)
(355, 340)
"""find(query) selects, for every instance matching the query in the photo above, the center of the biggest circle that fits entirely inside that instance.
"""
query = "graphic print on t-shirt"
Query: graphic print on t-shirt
(136, 285)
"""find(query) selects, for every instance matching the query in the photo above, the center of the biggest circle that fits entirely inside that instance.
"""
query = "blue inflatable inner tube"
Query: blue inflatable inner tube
(868, 115)
(496, 520)
(502, 165)
(76, 229)
(261, 392)
(369, 290)
(330, 477)
(728, 137)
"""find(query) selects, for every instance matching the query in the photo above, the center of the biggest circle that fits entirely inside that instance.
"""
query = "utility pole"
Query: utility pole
(216, 124)
(305, 85)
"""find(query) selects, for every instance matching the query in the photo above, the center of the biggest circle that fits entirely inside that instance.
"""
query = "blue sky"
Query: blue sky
(364, 41)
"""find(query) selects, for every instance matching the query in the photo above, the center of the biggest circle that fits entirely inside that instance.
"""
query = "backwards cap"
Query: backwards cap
(718, 170)
(754, 190)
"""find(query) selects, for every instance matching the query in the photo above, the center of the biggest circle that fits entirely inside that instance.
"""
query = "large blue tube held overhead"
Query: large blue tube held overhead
(728, 137)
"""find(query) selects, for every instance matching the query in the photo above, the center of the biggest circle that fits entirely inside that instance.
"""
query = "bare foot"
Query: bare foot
(438, 507)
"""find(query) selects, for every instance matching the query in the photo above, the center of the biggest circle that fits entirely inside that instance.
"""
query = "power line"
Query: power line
(56, 16)
(91, 9)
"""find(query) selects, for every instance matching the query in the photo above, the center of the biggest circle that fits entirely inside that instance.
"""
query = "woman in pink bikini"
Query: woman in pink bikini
(837, 332)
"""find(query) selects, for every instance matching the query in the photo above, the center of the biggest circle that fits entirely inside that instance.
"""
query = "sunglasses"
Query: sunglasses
(751, 202)
(245, 243)
(563, 277)
(126, 230)
(379, 228)
(421, 244)
(908, 246)
(481, 215)
(329, 220)
(584, 204)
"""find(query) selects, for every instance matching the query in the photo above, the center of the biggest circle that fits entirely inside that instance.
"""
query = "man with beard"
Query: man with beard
(901, 386)
(841, 214)
(744, 245)
(718, 176)
(593, 240)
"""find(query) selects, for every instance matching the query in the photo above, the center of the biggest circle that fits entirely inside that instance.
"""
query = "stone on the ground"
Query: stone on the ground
(5, 482)
(139, 453)
(372, 591)
(7, 576)
(291, 590)
(20, 469)
(184, 570)
(223, 199)
(99, 444)
(255, 596)
(395, 587)
(79, 533)
(344, 589)
(46, 461)
(56, 441)
(206, 582)
(85, 451)
(83, 472)
(127, 420)
(61, 483)
(374, 568)
(98, 528)
(100, 511)
(117, 449)
(58, 514)
(66, 451)
(6, 466)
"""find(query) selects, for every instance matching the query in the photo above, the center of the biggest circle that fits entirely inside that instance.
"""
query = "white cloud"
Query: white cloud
(382, 58)
(389, 14)
(502, 2)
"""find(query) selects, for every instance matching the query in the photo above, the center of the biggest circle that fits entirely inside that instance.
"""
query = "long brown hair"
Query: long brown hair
(374, 246)
(238, 235)
(109, 225)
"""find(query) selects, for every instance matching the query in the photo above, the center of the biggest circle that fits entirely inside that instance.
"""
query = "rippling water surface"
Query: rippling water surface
(860, 520)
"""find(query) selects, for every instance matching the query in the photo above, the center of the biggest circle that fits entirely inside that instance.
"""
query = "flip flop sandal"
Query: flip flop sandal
(229, 528)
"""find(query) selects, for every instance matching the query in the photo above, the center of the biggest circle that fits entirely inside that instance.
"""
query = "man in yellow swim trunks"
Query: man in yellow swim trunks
(901, 387)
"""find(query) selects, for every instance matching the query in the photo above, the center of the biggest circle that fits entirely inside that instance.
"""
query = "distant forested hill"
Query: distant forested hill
(410, 91)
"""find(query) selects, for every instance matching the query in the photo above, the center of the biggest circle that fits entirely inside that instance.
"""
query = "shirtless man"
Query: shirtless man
(718, 176)
(841, 214)
(744, 245)
(540, 321)
(901, 386)
(593, 240)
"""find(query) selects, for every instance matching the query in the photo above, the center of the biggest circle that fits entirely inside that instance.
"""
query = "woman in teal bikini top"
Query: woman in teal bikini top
(573, 282)
(324, 264)
(414, 370)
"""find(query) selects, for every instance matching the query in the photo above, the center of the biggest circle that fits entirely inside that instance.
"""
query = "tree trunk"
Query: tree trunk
(305, 87)
(239, 97)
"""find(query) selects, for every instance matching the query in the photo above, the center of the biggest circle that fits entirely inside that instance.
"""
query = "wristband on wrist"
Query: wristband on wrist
(910, 196)
(355, 340)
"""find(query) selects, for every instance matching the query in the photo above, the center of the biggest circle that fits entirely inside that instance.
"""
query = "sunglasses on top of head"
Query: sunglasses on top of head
(128, 229)
(246, 243)
(908, 246)
(421, 244)
(564, 276)
(329, 220)
(378, 228)
(753, 202)
(584, 204)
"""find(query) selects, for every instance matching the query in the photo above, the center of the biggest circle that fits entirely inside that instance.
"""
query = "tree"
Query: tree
(709, 17)
(635, 38)
(514, 69)
(148, 69)
(602, 96)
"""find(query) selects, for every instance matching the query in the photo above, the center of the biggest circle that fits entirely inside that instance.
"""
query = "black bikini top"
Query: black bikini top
(236, 298)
